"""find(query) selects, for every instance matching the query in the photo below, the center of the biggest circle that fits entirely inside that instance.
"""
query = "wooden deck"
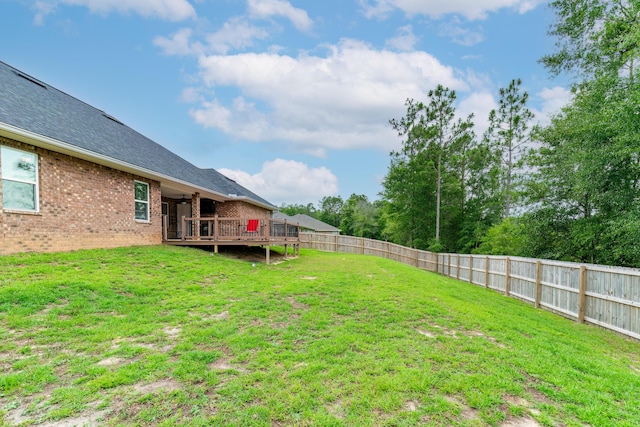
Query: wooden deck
(216, 231)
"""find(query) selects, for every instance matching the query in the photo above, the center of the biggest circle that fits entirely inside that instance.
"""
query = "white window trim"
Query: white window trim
(147, 202)
(36, 184)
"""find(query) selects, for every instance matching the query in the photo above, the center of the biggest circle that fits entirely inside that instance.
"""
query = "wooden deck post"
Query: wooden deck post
(286, 230)
(507, 277)
(538, 283)
(583, 293)
(184, 229)
(286, 251)
(267, 252)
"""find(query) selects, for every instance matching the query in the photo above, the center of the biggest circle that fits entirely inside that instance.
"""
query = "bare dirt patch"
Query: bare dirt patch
(516, 400)
(426, 333)
(521, 422)
(225, 365)
(110, 361)
(297, 305)
(89, 419)
(440, 330)
(411, 406)
(467, 412)
(254, 254)
(336, 409)
(172, 332)
(222, 316)
(162, 385)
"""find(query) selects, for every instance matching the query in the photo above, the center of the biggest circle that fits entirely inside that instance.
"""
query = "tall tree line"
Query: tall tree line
(573, 195)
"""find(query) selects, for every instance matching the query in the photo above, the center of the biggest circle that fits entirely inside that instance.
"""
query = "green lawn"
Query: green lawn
(177, 336)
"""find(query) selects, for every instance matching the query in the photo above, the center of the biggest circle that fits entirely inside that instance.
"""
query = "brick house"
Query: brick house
(74, 177)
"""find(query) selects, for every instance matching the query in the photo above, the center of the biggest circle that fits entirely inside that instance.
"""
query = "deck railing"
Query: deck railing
(220, 229)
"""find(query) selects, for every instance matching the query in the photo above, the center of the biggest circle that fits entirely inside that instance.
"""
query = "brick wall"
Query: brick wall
(239, 209)
(82, 206)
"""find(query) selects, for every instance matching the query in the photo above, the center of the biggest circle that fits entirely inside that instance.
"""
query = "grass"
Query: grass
(175, 336)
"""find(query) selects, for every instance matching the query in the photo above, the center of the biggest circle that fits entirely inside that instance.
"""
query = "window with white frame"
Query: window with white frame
(141, 191)
(19, 179)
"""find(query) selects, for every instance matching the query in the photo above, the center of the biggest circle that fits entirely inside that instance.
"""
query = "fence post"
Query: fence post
(417, 257)
(471, 269)
(362, 245)
(336, 243)
(486, 272)
(437, 261)
(507, 277)
(583, 293)
(448, 265)
(538, 283)
(458, 267)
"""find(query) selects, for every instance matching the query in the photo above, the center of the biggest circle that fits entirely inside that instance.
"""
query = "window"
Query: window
(141, 190)
(19, 179)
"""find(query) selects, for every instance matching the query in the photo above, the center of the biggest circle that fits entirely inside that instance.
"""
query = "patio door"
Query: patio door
(183, 210)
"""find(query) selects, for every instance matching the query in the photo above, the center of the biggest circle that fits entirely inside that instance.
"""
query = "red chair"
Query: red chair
(252, 226)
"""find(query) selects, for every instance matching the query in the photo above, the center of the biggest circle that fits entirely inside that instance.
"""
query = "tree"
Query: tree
(505, 238)
(507, 135)
(445, 133)
(587, 177)
(331, 210)
(426, 164)
(595, 37)
(359, 217)
(295, 209)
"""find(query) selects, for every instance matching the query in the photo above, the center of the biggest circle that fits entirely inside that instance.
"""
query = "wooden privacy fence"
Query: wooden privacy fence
(601, 295)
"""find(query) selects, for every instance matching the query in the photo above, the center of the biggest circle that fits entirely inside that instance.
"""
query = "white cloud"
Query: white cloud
(170, 10)
(459, 34)
(288, 181)
(42, 9)
(235, 34)
(179, 43)
(470, 9)
(480, 104)
(405, 40)
(553, 99)
(340, 101)
(268, 8)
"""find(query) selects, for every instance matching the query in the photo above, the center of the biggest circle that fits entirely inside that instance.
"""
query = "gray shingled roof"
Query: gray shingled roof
(307, 222)
(34, 106)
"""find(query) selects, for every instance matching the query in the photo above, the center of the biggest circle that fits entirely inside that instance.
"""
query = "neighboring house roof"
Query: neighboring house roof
(42, 115)
(307, 222)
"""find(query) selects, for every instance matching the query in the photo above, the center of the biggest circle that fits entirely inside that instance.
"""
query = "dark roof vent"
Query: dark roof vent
(113, 119)
(31, 79)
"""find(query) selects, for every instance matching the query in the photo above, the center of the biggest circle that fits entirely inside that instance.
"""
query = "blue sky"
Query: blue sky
(290, 98)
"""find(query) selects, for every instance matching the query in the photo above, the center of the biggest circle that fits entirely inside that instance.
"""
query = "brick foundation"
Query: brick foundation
(82, 206)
